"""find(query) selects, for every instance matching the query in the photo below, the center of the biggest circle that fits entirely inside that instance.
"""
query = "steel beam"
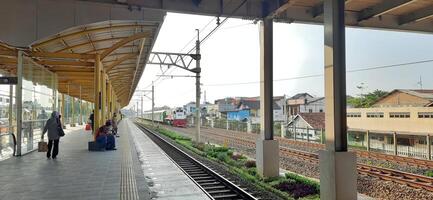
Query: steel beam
(419, 15)
(19, 101)
(337, 166)
(382, 8)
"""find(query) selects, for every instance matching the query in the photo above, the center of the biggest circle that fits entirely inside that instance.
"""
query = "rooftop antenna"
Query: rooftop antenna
(420, 82)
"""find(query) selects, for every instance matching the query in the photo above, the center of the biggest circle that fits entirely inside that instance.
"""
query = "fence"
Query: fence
(305, 134)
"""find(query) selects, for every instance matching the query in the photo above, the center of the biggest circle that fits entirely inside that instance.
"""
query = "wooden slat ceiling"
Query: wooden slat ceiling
(123, 45)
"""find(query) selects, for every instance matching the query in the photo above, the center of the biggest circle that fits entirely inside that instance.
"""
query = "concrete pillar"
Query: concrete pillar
(428, 142)
(308, 134)
(283, 130)
(227, 125)
(367, 138)
(338, 176)
(394, 135)
(267, 149)
(97, 92)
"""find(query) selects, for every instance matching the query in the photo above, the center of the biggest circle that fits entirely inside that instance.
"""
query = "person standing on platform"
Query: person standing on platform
(92, 120)
(52, 126)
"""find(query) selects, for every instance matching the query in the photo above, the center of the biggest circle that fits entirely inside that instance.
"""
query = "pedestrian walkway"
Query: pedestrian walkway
(138, 169)
(75, 174)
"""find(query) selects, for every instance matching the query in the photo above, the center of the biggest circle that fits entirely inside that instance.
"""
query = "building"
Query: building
(403, 120)
(307, 126)
(249, 109)
(304, 103)
(402, 98)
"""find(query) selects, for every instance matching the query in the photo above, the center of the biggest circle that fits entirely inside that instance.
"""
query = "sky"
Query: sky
(230, 60)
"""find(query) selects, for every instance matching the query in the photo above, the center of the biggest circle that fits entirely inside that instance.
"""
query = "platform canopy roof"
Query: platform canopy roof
(124, 47)
(405, 15)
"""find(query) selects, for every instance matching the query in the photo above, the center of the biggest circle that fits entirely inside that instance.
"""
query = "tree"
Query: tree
(366, 100)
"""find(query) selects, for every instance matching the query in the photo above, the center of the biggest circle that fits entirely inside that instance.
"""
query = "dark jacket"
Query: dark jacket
(52, 126)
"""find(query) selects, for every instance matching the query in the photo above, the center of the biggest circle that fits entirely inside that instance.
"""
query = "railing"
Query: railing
(8, 142)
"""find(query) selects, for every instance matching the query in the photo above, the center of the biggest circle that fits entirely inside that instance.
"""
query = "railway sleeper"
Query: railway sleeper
(209, 183)
(207, 177)
(214, 187)
(206, 181)
(220, 191)
(226, 196)
(198, 175)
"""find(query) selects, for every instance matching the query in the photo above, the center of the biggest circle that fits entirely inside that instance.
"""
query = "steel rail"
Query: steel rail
(413, 180)
(212, 184)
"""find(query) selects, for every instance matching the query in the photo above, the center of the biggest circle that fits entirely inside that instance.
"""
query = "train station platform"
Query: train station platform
(136, 170)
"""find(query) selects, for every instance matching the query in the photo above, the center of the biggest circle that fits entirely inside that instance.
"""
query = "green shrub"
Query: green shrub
(252, 171)
(223, 157)
(250, 164)
(303, 180)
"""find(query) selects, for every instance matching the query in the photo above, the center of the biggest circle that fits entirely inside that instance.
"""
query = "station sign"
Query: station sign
(8, 80)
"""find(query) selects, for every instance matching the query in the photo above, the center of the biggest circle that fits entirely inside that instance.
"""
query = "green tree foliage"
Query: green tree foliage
(366, 100)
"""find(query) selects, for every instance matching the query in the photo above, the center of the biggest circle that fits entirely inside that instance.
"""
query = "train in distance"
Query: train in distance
(175, 117)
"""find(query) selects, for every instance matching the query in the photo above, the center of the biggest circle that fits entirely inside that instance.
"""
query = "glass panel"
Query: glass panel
(7, 129)
(38, 102)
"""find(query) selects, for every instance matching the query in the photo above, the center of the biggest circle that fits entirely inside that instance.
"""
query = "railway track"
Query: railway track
(211, 183)
(364, 154)
(409, 179)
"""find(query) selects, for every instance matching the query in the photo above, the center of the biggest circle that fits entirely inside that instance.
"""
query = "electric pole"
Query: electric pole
(153, 101)
(197, 84)
(142, 107)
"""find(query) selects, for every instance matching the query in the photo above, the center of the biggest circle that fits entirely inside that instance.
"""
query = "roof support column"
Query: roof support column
(337, 165)
(63, 111)
(19, 101)
(109, 100)
(80, 122)
(104, 96)
(97, 94)
(73, 114)
(267, 148)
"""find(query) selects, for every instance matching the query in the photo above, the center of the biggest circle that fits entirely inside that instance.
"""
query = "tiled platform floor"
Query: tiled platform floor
(75, 174)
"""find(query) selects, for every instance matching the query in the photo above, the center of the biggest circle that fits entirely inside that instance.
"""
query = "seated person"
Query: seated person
(111, 141)
(101, 137)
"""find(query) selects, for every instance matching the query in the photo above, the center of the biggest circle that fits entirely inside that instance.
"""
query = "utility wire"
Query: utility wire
(204, 39)
(320, 75)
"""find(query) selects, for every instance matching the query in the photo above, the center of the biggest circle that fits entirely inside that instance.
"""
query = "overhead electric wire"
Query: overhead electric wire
(204, 39)
(320, 75)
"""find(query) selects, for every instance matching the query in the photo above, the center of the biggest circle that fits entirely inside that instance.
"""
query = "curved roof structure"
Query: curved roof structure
(124, 47)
